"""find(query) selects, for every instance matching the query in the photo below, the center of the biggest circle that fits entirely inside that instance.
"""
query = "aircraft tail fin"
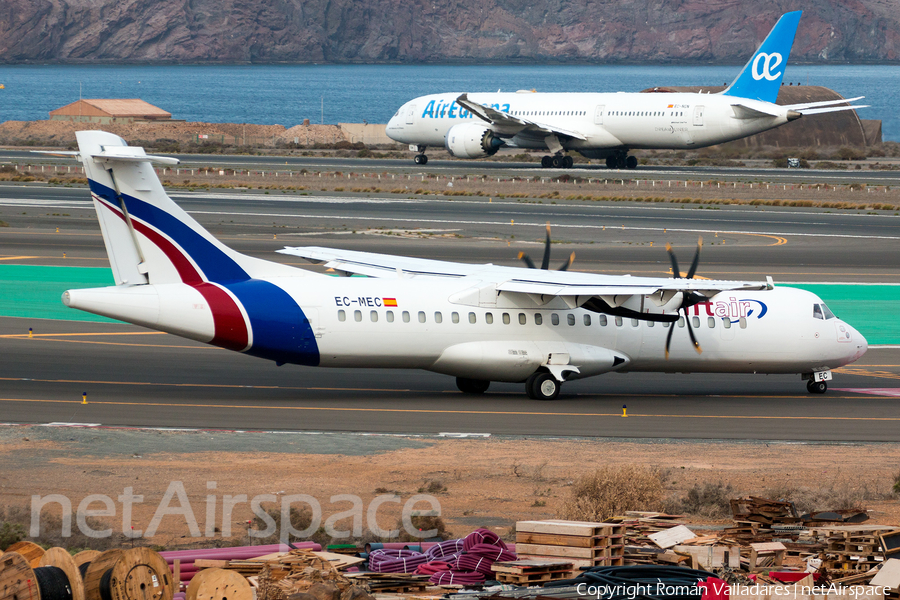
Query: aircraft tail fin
(149, 238)
(760, 79)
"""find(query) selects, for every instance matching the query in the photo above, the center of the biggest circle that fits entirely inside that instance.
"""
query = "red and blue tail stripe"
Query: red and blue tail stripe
(250, 315)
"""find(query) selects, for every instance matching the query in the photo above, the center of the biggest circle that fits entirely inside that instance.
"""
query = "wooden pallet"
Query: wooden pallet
(527, 572)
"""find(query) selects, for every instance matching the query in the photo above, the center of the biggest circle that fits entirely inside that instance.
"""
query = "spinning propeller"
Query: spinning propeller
(689, 298)
(545, 262)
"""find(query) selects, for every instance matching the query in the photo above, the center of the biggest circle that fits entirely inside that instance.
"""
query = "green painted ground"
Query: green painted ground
(34, 292)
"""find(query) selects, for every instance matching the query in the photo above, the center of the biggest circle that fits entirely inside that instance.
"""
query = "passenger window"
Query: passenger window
(681, 321)
(817, 312)
(472, 318)
(554, 318)
(635, 322)
(711, 322)
(538, 319)
(373, 315)
(421, 317)
(695, 321)
(602, 320)
(438, 317)
(342, 316)
(667, 324)
(618, 321)
(726, 323)
(389, 315)
(489, 318)
(357, 316)
(506, 318)
(522, 319)
(743, 322)
(454, 317)
(828, 313)
(406, 316)
(587, 320)
(570, 319)
(650, 323)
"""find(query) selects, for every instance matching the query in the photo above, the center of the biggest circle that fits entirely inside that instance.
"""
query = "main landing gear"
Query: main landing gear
(472, 386)
(558, 161)
(621, 161)
(542, 386)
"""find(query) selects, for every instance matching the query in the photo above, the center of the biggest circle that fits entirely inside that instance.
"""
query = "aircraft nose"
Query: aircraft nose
(859, 345)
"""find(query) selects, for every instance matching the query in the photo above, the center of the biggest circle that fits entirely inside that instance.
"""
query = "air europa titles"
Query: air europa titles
(438, 109)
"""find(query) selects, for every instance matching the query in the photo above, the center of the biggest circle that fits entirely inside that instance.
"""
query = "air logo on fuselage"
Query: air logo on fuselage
(733, 309)
(769, 62)
(439, 109)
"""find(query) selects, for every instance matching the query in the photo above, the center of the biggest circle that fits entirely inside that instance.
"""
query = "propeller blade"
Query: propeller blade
(568, 263)
(669, 337)
(527, 259)
(545, 263)
(675, 272)
(694, 264)
(691, 333)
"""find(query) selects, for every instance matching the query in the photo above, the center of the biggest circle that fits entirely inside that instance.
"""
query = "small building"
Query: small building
(127, 110)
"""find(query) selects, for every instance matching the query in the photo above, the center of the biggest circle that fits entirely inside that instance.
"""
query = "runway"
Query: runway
(505, 168)
(137, 378)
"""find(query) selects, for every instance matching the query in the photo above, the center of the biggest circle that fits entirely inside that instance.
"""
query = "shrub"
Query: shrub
(708, 500)
(609, 491)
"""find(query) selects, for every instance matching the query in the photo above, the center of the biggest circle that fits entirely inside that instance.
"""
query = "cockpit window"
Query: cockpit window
(817, 311)
(828, 313)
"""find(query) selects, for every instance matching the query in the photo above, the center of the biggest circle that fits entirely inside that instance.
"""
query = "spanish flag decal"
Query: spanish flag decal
(389, 301)
(671, 106)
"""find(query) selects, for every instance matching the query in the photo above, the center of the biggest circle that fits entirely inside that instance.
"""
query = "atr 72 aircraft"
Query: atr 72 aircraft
(608, 125)
(478, 323)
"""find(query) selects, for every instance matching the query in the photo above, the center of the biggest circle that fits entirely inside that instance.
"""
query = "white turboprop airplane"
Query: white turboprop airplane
(608, 125)
(479, 323)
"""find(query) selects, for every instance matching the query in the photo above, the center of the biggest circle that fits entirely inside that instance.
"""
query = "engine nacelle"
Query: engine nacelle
(471, 140)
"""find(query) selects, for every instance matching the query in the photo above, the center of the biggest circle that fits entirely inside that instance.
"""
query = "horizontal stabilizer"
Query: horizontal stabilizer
(819, 111)
(745, 112)
(804, 105)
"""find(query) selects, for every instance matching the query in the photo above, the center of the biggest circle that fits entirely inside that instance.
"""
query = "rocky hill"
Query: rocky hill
(300, 31)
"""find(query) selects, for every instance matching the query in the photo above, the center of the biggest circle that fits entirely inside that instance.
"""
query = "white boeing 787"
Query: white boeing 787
(608, 125)
(478, 323)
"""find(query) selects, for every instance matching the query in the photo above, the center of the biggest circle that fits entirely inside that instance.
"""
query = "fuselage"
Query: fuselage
(618, 121)
(462, 327)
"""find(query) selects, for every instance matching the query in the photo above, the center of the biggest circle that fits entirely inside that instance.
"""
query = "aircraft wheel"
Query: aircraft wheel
(472, 386)
(620, 162)
(421, 159)
(558, 161)
(544, 386)
(610, 162)
(816, 387)
(546, 161)
(568, 162)
(631, 162)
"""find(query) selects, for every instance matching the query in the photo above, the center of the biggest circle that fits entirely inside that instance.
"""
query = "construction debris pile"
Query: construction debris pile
(769, 543)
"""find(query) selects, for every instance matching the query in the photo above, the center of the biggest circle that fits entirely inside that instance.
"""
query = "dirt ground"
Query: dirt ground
(491, 482)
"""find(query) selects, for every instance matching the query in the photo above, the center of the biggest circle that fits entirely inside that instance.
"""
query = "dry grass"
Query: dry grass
(610, 491)
(711, 499)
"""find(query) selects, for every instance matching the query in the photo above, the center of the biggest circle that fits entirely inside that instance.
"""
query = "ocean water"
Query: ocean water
(288, 94)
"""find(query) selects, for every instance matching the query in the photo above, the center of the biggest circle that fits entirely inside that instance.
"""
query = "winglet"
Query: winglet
(761, 77)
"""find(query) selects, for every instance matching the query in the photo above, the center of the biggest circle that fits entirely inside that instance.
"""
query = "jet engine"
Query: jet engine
(471, 140)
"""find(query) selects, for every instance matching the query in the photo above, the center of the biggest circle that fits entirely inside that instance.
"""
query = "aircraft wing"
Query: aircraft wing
(372, 264)
(506, 124)
(542, 286)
